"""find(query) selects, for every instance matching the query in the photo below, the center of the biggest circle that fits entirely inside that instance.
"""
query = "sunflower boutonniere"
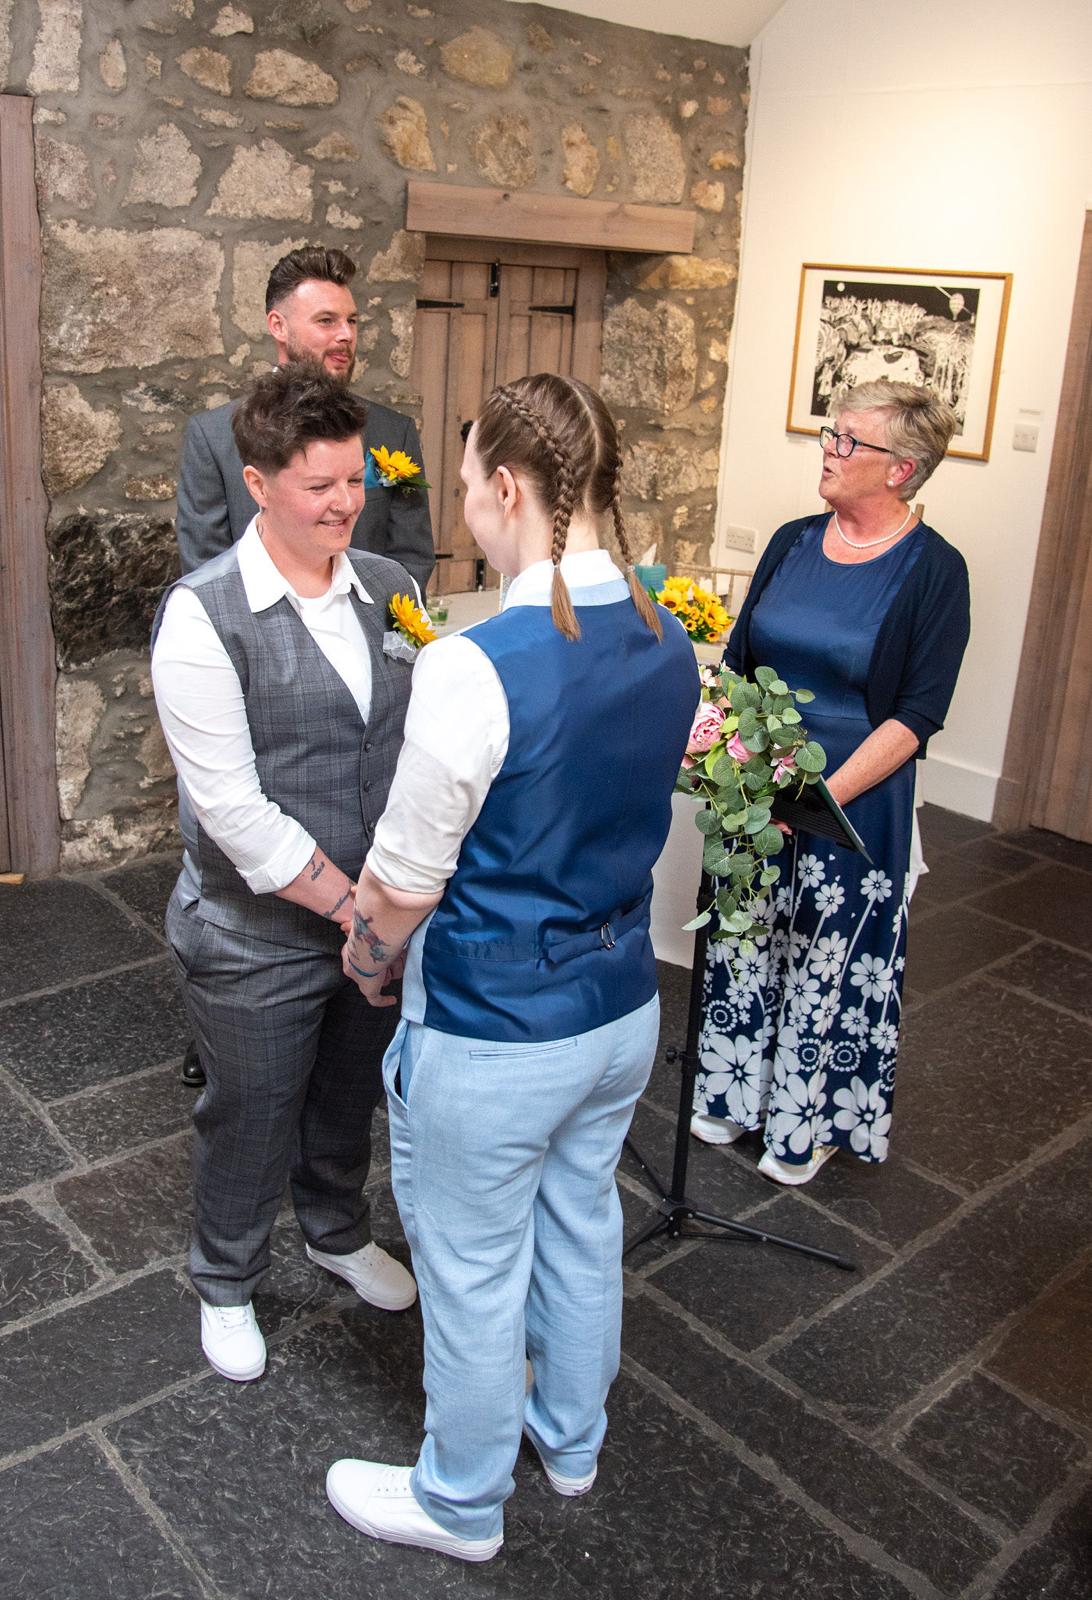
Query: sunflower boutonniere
(394, 469)
(410, 628)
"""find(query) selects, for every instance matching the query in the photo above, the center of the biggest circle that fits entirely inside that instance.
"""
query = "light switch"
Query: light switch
(1025, 436)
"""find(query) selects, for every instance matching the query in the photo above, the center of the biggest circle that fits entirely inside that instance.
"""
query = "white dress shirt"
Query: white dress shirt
(201, 707)
(457, 731)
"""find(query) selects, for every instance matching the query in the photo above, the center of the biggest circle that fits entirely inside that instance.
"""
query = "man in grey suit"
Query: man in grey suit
(311, 315)
(283, 709)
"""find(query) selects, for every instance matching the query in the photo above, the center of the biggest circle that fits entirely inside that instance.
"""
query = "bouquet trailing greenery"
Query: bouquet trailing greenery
(747, 743)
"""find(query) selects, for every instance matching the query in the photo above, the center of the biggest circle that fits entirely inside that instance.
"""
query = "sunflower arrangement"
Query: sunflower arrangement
(410, 621)
(397, 470)
(699, 610)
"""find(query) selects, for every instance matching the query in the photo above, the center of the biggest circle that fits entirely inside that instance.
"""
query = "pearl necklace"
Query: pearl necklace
(871, 543)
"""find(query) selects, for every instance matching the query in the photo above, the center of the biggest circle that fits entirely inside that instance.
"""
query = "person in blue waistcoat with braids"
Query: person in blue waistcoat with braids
(531, 799)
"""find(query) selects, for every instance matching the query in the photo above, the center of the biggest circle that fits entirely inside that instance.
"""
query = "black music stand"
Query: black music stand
(675, 1207)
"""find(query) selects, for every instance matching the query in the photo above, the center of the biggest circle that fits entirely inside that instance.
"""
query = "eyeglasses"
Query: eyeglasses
(845, 444)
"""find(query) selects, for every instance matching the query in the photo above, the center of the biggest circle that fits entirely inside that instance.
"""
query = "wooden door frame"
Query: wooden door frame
(1061, 572)
(28, 663)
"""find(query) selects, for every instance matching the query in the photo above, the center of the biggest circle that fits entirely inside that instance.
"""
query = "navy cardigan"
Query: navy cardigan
(920, 644)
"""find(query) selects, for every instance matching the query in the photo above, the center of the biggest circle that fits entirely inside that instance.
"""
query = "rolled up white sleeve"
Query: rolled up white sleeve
(456, 741)
(200, 703)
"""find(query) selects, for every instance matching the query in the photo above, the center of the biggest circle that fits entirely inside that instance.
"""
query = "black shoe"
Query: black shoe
(192, 1073)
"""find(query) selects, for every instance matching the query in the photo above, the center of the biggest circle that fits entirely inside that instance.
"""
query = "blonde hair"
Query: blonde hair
(558, 431)
(919, 424)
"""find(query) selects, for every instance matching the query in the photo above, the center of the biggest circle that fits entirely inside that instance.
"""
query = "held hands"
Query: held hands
(370, 982)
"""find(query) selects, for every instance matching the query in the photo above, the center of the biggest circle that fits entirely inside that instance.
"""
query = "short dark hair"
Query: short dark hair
(284, 411)
(313, 261)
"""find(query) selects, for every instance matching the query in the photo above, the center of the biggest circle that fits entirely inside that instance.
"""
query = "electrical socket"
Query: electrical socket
(740, 539)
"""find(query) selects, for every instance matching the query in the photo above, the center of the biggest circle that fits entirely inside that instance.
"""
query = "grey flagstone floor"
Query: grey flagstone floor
(780, 1428)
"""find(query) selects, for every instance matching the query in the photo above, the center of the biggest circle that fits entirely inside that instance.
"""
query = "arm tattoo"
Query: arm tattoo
(363, 930)
(317, 866)
(336, 907)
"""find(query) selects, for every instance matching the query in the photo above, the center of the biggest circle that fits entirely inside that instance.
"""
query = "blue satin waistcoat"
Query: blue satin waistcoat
(543, 930)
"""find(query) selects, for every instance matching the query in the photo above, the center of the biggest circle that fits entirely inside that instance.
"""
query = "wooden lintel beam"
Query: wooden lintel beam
(528, 218)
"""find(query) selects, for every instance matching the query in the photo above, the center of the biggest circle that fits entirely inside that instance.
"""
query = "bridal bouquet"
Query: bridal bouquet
(747, 743)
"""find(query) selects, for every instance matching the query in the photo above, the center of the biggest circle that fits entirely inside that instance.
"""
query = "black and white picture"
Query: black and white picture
(935, 330)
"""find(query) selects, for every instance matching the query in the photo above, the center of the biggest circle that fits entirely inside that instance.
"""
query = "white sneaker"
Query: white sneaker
(377, 1277)
(561, 1483)
(715, 1130)
(378, 1501)
(232, 1341)
(786, 1172)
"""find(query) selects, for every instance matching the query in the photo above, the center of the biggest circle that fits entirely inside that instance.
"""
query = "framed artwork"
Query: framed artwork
(941, 330)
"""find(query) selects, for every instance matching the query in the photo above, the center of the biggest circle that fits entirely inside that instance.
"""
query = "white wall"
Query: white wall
(953, 135)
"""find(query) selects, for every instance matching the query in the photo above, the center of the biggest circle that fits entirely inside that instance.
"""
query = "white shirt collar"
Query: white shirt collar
(265, 584)
(581, 570)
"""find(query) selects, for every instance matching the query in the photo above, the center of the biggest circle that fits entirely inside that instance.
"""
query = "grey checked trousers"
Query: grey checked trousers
(292, 1054)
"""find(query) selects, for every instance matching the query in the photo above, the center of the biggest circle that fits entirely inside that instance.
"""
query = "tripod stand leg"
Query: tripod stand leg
(674, 1207)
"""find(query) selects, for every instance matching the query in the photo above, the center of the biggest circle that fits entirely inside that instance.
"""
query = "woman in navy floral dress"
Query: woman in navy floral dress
(869, 608)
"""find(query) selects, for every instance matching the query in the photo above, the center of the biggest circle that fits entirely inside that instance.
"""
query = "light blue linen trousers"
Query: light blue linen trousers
(502, 1162)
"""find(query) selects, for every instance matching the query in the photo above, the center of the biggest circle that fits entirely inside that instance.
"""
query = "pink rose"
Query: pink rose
(705, 730)
(738, 749)
(784, 766)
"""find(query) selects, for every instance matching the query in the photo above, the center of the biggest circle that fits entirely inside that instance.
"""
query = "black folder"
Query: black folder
(815, 810)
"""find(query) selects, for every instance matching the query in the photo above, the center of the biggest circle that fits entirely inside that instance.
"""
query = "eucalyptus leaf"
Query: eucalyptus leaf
(778, 686)
(804, 696)
(700, 921)
(769, 875)
(723, 771)
(790, 714)
(707, 822)
(769, 841)
(765, 676)
(738, 922)
(757, 741)
(808, 761)
(746, 947)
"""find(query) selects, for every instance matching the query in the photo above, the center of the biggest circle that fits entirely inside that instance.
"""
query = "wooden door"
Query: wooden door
(29, 820)
(1047, 778)
(488, 313)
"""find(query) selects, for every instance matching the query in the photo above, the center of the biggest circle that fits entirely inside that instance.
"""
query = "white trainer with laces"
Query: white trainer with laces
(715, 1130)
(377, 1277)
(232, 1341)
(377, 1500)
(789, 1173)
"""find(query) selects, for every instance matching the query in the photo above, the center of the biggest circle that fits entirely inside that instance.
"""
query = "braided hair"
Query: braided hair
(561, 434)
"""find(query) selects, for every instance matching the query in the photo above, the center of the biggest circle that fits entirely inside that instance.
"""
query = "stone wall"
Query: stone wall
(183, 145)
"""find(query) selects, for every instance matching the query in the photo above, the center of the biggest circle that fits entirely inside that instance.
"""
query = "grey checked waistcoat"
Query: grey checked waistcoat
(315, 757)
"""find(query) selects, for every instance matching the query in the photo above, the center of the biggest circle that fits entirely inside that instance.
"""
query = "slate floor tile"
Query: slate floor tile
(984, 1079)
(954, 946)
(888, 1201)
(872, 1355)
(992, 1450)
(998, 854)
(1048, 1354)
(1054, 901)
(1071, 852)
(72, 1529)
(1052, 973)
(952, 877)
(1059, 1565)
(29, 1150)
(91, 1359)
(106, 1120)
(99, 1030)
(749, 1292)
(38, 1264)
(353, 1390)
(135, 1210)
(146, 885)
(56, 929)
(870, 1494)
(945, 830)
(715, 1181)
